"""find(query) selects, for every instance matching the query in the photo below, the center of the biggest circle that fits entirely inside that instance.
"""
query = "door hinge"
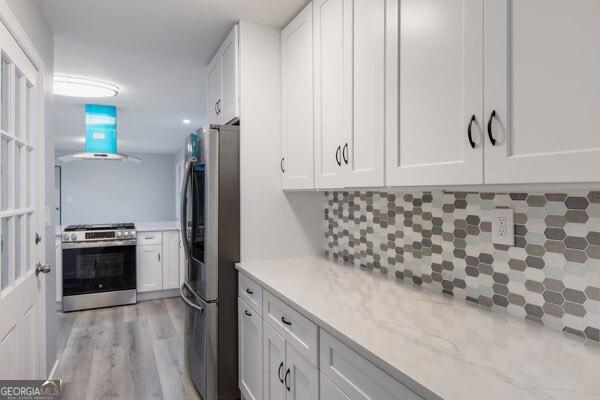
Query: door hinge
(38, 238)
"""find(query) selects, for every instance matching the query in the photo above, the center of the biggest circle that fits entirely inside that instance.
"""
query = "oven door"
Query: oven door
(96, 268)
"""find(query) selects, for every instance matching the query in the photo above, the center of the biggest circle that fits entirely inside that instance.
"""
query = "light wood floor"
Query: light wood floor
(128, 352)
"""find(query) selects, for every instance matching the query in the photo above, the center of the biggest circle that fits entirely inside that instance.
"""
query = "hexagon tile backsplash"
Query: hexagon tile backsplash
(442, 240)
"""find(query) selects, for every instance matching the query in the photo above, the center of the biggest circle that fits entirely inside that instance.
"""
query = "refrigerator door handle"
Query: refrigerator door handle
(183, 210)
(187, 301)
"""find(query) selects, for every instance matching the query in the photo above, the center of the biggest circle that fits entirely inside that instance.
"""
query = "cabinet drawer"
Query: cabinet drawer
(297, 330)
(357, 377)
(251, 293)
(144, 238)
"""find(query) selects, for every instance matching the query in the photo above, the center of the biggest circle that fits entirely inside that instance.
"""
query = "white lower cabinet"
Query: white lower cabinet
(328, 391)
(276, 358)
(287, 374)
(250, 340)
(157, 261)
(149, 267)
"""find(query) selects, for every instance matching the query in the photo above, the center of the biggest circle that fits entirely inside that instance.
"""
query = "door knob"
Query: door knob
(42, 268)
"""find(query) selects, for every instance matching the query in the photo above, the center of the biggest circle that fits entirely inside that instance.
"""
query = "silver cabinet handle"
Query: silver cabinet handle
(158, 256)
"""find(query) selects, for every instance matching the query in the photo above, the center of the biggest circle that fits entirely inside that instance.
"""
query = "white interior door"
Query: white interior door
(22, 322)
(541, 79)
(297, 122)
(435, 91)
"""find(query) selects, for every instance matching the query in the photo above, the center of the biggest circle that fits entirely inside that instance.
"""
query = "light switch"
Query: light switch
(503, 226)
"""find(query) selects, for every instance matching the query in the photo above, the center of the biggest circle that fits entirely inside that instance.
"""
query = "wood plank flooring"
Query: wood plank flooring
(128, 352)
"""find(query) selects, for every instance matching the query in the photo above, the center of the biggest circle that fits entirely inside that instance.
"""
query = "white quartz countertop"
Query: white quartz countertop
(437, 345)
(157, 226)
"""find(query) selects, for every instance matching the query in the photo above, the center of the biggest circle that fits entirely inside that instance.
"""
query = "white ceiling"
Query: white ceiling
(155, 51)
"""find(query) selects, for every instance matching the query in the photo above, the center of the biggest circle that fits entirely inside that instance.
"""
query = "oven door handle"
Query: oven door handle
(187, 301)
(183, 210)
(87, 245)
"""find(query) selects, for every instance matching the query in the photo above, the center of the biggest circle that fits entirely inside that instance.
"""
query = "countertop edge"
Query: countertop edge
(380, 363)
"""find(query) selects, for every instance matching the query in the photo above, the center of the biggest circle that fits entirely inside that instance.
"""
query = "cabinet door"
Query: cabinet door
(541, 79)
(435, 90)
(328, 391)
(273, 364)
(214, 90)
(363, 149)
(228, 54)
(302, 378)
(170, 257)
(250, 352)
(297, 121)
(149, 267)
(332, 45)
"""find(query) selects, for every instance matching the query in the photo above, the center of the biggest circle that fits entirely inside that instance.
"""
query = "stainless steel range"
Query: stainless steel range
(99, 266)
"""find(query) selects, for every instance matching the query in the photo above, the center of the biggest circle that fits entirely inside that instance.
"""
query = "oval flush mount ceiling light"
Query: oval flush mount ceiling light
(81, 87)
(186, 121)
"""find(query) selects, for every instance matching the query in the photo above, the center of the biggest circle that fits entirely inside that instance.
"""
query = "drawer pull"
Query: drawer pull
(249, 291)
(247, 313)
(285, 321)
(149, 237)
(287, 386)
(279, 372)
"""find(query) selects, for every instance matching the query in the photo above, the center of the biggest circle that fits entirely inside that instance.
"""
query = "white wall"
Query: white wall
(32, 20)
(105, 191)
(274, 224)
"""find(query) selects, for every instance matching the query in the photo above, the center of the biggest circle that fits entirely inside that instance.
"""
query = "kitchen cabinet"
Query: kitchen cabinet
(297, 159)
(149, 267)
(250, 331)
(170, 256)
(287, 373)
(541, 84)
(331, 32)
(349, 94)
(223, 82)
(328, 391)
(435, 99)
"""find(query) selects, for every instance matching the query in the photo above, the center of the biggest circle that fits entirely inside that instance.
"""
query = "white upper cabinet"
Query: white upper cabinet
(542, 60)
(435, 95)
(297, 164)
(331, 30)
(363, 149)
(214, 90)
(223, 82)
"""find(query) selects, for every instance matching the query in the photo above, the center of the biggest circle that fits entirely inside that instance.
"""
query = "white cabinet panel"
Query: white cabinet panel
(332, 45)
(250, 292)
(357, 377)
(170, 258)
(435, 85)
(302, 377)
(250, 352)
(214, 90)
(297, 102)
(328, 391)
(541, 68)
(274, 366)
(363, 150)
(149, 267)
(297, 330)
(228, 54)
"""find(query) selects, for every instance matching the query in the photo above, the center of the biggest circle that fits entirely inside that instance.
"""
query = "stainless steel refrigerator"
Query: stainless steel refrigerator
(210, 221)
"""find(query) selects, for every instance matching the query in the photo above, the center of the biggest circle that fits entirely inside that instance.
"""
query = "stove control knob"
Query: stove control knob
(73, 236)
(126, 233)
(132, 233)
(119, 234)
(66, 236)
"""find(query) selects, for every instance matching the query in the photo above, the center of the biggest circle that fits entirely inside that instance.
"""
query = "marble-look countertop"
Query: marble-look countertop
(157, 226)
(437, 345)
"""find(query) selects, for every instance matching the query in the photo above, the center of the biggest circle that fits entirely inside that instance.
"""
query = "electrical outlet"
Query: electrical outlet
(503, 226)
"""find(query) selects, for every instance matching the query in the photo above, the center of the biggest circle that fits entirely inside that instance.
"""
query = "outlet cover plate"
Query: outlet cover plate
(507, 215)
